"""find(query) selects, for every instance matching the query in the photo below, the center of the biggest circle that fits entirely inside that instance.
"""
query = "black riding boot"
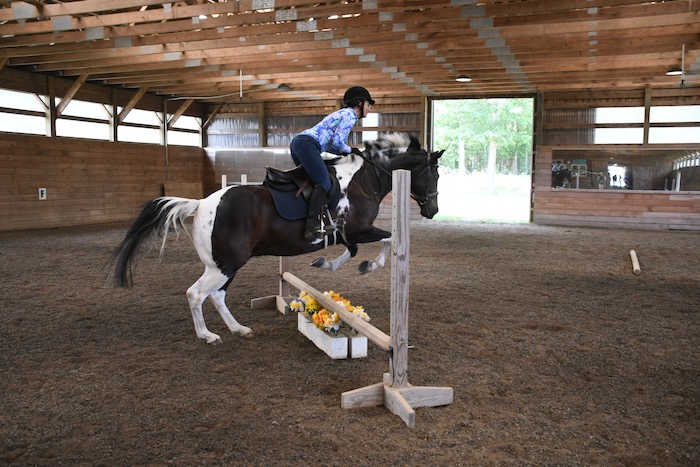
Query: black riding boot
(312, 230)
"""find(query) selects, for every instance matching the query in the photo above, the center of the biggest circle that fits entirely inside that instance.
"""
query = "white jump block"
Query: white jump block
(336, 347)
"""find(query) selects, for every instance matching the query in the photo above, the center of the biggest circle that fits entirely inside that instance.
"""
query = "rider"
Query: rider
(329, 135)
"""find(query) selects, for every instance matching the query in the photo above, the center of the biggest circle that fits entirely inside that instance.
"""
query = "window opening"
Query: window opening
(22, 112)
(187, 131)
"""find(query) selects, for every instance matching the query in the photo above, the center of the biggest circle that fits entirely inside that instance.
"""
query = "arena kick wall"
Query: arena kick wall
(90, 182)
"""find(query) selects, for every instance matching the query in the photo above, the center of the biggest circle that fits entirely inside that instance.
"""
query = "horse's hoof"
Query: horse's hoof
(216, 341)
(248, 335)
(365, 267)
(318, 262)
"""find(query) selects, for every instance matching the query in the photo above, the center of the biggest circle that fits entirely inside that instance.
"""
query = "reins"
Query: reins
(376, 172)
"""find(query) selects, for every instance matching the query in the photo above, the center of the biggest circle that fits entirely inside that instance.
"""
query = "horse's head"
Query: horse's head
(402, 151)
(424, 181)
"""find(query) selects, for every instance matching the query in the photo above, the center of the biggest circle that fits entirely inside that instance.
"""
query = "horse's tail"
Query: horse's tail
(155, 220)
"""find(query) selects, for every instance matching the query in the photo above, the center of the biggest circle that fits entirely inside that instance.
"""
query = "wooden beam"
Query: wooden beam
(70, 94)
(213, 115)
(382, 340)
(178, 113)
(132, 103)
(74, 8)
(647, 114)
(51, 110)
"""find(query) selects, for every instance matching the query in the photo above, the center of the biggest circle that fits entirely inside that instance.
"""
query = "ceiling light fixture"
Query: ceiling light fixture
(675, 71)
(463, 79)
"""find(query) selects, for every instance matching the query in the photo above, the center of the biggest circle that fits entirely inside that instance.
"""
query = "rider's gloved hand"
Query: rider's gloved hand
(355, 151)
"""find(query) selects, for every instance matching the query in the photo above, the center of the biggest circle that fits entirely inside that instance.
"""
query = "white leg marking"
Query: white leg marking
(380, 260)
(210, 282)
(333, 265)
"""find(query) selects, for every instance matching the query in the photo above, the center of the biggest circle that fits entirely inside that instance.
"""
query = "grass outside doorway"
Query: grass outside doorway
(474, 197)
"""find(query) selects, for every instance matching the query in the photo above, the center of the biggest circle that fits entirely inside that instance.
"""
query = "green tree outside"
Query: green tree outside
(476, 125)
(486, 166)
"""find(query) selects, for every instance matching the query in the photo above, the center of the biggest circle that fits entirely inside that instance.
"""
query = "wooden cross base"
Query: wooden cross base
(272, 301)
(280, 301)
(400, 401)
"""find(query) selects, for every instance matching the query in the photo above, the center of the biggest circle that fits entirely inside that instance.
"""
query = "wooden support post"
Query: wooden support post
(282, 299)
(400, 246)
(394, 392)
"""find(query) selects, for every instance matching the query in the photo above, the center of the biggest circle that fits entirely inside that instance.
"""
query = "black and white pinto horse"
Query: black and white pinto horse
(236, 223)
(561, 178)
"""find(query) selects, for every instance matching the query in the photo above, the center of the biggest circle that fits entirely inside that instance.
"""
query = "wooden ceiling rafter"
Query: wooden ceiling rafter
(397, 47)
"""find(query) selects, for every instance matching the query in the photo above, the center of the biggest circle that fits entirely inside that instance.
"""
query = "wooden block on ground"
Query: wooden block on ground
(336, 347)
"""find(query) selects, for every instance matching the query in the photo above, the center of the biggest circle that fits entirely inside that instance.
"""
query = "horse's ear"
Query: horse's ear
(437, 154)
(415, 144)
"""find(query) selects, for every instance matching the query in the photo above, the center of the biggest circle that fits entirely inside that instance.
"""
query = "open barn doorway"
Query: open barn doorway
(486, 169)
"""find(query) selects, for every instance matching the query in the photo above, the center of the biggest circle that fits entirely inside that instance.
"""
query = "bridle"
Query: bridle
(421, 200)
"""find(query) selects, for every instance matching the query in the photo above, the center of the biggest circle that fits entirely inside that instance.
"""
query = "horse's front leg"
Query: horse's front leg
(379, 262)
(371, 236)
(334, 264)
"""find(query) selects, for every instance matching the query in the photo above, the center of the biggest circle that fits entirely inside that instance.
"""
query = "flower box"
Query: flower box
(336, 347)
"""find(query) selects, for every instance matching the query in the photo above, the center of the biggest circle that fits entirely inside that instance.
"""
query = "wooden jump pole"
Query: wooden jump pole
(635, 263)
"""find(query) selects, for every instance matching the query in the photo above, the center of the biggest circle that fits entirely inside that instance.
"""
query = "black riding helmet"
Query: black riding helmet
(355, 96)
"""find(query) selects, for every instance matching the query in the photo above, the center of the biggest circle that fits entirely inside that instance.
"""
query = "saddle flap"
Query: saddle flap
(297, 175)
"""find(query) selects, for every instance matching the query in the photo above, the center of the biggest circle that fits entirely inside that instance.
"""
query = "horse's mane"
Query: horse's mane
(391, 143)
(382, 149)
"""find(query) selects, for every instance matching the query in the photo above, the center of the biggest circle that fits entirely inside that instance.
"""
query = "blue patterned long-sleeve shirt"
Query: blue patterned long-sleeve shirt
(332, 132)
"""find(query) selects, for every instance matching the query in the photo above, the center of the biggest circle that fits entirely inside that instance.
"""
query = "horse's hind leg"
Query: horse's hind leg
(218, 298)
(210, 285)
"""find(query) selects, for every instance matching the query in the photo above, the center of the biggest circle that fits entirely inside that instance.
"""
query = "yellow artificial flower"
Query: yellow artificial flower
(321, 317)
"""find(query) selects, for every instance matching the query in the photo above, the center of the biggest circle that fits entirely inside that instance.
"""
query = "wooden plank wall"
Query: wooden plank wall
(87, 181)
(610, 208)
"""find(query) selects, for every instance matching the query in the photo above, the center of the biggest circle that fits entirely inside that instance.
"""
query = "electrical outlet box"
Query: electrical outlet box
(42, 194)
